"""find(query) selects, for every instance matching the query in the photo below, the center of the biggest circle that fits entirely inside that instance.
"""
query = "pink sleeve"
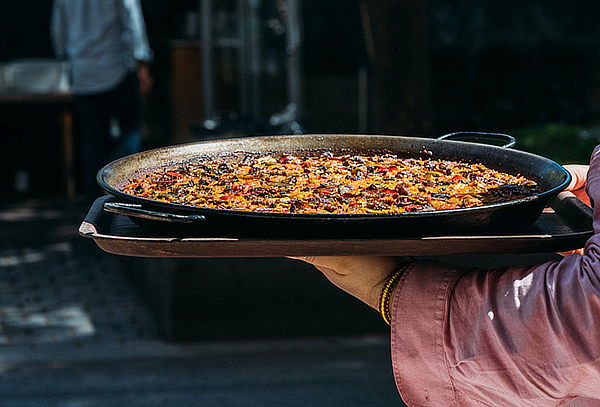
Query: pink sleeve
(522, 336)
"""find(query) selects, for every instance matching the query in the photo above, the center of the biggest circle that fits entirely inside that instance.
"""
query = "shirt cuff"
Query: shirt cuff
(419, 319)
(144, 55)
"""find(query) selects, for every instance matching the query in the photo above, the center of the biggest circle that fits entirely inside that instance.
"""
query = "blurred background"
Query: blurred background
(79, 327)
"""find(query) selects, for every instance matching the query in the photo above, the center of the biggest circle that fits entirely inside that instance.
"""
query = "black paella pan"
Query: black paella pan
(550, 177)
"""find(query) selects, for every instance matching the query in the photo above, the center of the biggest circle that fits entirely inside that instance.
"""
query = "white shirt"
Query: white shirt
(102, 39)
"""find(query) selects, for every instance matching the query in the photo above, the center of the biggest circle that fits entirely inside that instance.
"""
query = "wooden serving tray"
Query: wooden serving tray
(565, 225)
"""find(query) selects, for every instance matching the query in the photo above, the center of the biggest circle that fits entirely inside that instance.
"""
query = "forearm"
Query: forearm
(501, 335)
(534, 329)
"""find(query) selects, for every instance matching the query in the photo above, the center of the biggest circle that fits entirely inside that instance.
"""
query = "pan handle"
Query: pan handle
(477, 137)
(138, 211)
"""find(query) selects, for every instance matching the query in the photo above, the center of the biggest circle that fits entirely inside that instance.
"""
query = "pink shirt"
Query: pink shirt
(518, 336)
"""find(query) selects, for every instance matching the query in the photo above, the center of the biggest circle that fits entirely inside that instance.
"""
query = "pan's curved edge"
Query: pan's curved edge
(410, 143)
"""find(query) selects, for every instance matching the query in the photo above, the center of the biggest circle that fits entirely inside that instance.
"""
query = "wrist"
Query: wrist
(372, 284)
(387, 292)
(374, 296)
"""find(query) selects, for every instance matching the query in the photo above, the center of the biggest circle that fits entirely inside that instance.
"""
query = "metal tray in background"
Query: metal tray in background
(565, 225)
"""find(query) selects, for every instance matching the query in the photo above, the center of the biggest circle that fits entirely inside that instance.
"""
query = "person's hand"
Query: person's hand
(144, 78)
(577, 187)
(360, 276)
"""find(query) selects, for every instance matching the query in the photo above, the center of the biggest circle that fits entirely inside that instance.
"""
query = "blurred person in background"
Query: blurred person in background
(107, 48)
(510, 337)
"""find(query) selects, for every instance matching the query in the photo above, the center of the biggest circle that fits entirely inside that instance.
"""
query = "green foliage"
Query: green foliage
(562, 143)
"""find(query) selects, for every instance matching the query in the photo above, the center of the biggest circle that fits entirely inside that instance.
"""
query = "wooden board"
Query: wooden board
(566, 225)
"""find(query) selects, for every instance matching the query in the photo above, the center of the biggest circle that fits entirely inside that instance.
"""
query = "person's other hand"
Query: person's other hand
(144, 78)
(360, 276)
(577, 187)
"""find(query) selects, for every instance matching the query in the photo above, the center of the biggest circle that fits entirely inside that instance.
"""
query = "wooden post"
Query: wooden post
(67, 144)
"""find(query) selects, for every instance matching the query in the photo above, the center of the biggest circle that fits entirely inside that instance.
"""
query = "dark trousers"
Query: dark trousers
(98, 146)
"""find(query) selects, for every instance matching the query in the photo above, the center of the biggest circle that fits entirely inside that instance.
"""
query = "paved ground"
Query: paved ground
(73, 332)
(353, 372)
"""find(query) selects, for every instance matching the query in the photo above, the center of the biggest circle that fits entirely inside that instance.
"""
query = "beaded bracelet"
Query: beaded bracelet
(386, 295)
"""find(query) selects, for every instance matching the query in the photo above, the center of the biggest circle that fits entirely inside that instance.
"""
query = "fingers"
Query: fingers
(329, 262)
(577, 185)
(570, 252)
(306, 259)
(582, 195)
(578, 174)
